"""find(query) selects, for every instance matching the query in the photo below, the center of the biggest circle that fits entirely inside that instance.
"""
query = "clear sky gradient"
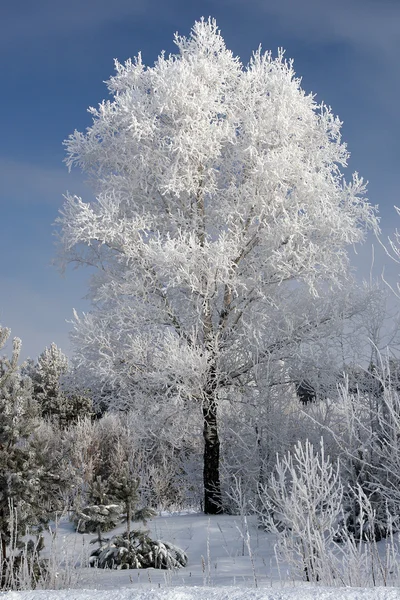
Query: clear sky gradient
(55, 56)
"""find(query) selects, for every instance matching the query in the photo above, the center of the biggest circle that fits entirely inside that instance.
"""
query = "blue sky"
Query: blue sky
(54, 58)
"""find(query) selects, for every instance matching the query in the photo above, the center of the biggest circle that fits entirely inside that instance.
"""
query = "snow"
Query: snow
(207, 593)
(219, 568)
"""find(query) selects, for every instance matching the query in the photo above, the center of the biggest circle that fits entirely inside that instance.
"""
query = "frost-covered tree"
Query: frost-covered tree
(220, 203)
(56, 402)
(16, 414)
(27, 487)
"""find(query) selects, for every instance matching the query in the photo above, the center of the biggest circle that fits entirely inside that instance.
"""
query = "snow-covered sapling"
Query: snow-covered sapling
(100, 514)
(302, 506)
(134, 549)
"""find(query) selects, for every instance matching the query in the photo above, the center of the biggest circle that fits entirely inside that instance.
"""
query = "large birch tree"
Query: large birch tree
(219, 195)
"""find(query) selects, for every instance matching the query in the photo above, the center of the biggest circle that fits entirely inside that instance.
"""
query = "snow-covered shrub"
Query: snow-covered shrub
(23, 568)
(301, 504)
(363, 561)
(81, 447)
(365, 431)
(137, 550)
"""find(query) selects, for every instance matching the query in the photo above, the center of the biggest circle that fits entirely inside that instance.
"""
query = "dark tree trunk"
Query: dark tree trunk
(212, 485)
(3, 548)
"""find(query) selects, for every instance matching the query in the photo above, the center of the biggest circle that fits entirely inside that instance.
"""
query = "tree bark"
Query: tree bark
(211, 480)
(212, 484)
(3, 549)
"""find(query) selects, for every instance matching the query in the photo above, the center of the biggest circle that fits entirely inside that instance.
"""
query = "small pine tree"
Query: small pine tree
(120, 483)
(133, 549)
(100, 514)
(124, 487)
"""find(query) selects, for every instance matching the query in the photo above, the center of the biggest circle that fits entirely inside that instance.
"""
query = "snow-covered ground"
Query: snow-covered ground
(214, 593)
(219, 568)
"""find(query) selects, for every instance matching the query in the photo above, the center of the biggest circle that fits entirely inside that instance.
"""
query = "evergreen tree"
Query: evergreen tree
(100, 514)
(133, 549)
(60, 405)
(20, 471)
(124, 487)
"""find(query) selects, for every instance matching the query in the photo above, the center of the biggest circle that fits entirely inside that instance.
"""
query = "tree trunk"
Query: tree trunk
(212, 485)
(3, 549)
